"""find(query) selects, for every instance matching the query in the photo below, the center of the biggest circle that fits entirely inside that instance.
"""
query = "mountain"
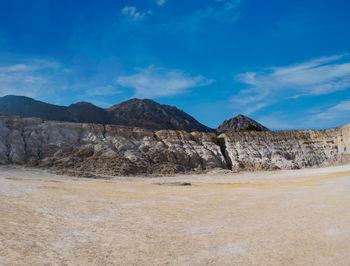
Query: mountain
(150, 114)
(28, 107)
(88, 113)
(240, 122)
(135, 112)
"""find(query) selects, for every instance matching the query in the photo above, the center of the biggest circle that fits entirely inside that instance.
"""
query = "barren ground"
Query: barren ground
(264, 218)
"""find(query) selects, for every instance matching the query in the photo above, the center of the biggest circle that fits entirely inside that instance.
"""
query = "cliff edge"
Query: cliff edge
(98, 149)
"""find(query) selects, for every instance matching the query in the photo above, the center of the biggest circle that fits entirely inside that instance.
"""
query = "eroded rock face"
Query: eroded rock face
(85, 149)
(291, 149)
(95, 149)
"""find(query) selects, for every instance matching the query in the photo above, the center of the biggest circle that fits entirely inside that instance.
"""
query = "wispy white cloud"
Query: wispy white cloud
(223, 11)
(338, 111)
(316, 77)
(187, 21)
(281, 121)
(155, 82)
(49, 79)
(28, 78)
(160, 2)
(133, 14)
(102, 91)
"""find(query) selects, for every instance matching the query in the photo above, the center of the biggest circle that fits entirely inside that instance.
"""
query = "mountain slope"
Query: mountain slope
(150, 114)
(28, 107)
(84, 112)
(139, 113)
(240, 122)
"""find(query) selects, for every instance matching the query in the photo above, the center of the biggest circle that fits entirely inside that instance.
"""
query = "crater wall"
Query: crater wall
(96, 149)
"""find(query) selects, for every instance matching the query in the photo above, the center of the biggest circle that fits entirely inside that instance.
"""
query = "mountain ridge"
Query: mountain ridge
(135, 112)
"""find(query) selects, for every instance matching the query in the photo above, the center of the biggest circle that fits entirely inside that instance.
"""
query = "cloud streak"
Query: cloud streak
(315, 77)
(48, 78)
(102, 91)
(155, 82)
(29, 79)
(133, 14)
(223, 11)
(337, 111)
(160, 2)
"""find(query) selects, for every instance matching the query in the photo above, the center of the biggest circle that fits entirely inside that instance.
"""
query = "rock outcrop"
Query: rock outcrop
(98, 149)
(240, 122)
(291, 149)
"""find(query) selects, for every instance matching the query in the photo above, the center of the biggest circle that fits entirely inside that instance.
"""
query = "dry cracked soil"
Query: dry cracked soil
(263, 218)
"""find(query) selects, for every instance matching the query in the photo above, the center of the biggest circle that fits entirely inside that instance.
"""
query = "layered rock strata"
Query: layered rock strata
(96, 149)
(292, 149)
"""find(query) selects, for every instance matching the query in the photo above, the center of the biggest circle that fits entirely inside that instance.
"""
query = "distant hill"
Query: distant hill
(28, 107)
(135, 112)
(88, 113)
(240, 122)
(150, 114)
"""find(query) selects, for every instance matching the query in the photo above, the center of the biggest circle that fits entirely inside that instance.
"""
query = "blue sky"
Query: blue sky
(284, 63)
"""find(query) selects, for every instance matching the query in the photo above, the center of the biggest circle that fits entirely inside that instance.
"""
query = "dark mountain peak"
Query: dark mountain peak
(150, 114)
(16, 99)
(26, 101)
(240, 122)
(136, 102)
(12, 96)
(86, 112)
(28, 107)
(82, 104)
(134, 112)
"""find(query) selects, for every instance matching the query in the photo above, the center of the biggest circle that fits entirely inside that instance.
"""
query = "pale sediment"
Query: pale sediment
(96, 149)
(249, 218)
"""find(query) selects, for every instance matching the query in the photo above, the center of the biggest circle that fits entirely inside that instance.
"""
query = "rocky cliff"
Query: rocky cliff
(97, 149)
(292, 149)
(90, 149)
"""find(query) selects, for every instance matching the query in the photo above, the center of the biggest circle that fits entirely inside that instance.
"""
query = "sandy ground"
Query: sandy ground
(265, 218)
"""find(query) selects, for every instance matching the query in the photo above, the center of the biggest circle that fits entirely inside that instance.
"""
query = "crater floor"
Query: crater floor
(261, 218)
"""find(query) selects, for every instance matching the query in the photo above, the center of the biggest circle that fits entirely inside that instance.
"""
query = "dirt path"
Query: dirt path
(266, 218)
